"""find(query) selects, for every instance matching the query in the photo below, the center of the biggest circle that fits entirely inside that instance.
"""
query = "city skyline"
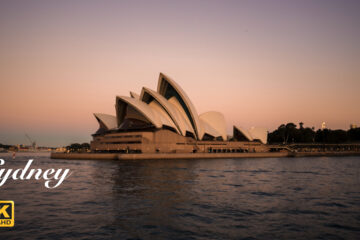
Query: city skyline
(260, 63)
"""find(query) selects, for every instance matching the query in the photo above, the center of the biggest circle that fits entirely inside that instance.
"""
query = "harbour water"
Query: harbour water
(270, 198)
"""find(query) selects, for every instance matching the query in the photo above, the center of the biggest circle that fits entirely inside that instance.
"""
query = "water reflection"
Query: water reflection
(190, 199)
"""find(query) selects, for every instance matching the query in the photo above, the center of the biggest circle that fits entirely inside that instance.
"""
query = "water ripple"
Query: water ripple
(294, 198)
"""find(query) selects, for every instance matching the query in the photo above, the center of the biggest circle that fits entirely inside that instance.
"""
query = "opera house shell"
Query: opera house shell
(167, 121)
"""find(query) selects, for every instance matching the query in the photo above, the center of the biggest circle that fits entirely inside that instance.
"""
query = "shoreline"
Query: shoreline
(175, 156)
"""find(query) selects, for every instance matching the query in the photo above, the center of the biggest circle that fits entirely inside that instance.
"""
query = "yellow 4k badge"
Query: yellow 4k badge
(7, 216)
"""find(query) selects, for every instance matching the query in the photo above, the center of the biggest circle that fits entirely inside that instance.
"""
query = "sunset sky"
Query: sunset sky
(260, 63)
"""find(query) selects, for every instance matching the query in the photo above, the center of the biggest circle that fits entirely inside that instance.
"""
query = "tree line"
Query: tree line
(289, 133)
(5, 146)
(77, 147)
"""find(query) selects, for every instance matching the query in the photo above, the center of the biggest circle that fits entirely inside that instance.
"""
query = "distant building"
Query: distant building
(323, 125)
(353, 125)
(60, 149)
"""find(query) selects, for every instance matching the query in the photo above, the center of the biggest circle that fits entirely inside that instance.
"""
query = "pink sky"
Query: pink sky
(260, 63)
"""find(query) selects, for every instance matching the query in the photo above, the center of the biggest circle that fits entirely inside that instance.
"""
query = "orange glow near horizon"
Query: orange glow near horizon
(258, 63)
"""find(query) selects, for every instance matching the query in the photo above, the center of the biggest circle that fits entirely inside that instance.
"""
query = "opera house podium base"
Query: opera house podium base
(193, 156)
(163, 156)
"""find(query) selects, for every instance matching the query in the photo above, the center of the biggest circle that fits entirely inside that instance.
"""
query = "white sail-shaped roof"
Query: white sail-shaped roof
(141, 107)
(213, 123)
(244, 132)
(148, 95)
(169, 88)
(134, 95)
(182, 115)
(164, 116)
(254, 133)
(106, 121)
(259, 134)
(170, 107)
(209, 130)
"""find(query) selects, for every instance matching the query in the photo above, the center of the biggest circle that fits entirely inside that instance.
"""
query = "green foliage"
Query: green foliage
(5, 146)
(288, 133)
(354, 134)
(77, 147)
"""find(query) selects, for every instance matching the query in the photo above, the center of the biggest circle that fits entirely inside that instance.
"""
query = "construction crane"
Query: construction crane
(32, 142)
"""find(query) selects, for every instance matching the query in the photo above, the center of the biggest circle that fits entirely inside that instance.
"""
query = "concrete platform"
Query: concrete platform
(84, 156)
(170, 156)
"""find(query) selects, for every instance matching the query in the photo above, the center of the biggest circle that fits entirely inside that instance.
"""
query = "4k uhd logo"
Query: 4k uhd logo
(7, 216)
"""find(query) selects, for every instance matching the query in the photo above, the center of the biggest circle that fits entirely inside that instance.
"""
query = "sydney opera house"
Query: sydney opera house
(166, 121)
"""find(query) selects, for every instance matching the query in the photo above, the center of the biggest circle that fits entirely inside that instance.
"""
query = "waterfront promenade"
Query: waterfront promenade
(169, 156)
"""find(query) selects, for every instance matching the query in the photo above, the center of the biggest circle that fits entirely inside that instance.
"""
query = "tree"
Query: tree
(290, 132)
(77, 147)
(85, 146)
(354, 134)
